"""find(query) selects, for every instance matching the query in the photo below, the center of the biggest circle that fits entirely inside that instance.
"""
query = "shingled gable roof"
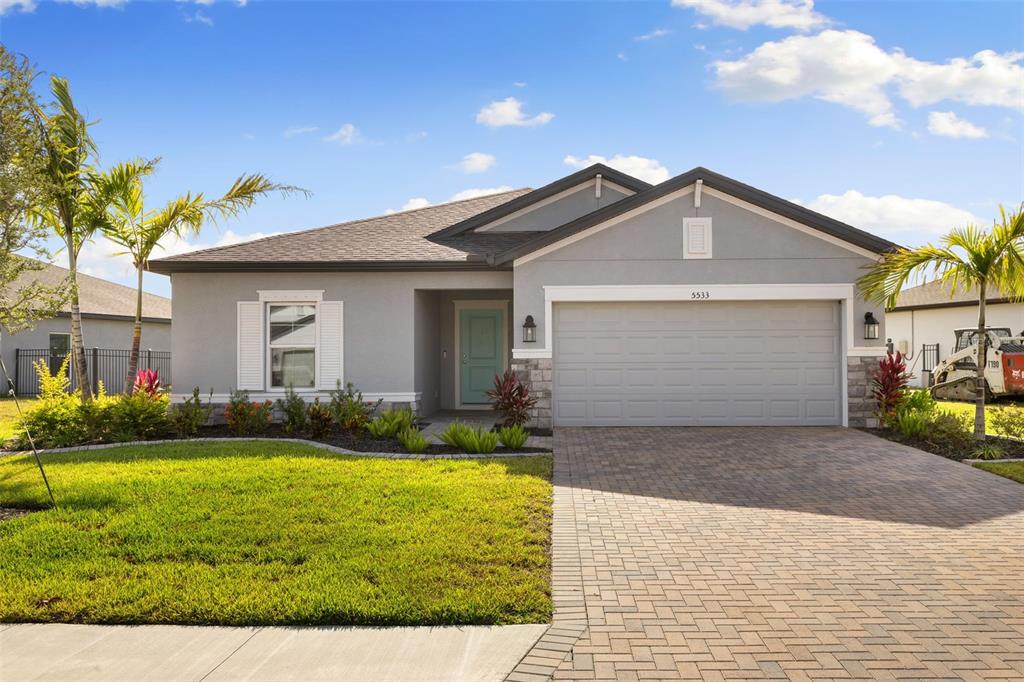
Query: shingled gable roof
(394, 241)
(542, 193)
(99, 298)
(713, 180)
(937, 294)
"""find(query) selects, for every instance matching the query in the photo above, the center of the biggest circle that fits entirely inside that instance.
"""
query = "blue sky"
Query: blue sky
(900, 118)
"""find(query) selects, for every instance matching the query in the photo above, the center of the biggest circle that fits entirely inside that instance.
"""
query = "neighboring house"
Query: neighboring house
(696, 301)
(108, 314)
(926, 315)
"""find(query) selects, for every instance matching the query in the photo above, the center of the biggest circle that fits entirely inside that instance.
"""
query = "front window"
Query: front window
(292, 345)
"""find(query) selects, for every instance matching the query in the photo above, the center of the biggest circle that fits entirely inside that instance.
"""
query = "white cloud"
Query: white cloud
(478, 192)
(848, 68)
(476, 162)
(648, 170)
(948, 124)
(893, 216)
(346, 134)
(295, 131)
(742, 14)
(621, 56)
(509, 112)
(199, 18)
(420, 202)
(520, 84)
(103, 258)
(23, 5)
(653, 35)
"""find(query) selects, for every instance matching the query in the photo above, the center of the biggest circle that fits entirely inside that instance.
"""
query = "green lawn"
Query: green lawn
(8, 415)
(1011, 470)
(968, 409)
(275, 533)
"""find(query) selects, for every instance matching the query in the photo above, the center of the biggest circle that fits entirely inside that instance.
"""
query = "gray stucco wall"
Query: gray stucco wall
(383, 353)
(647, 249)
(563, 210)
(97, 333)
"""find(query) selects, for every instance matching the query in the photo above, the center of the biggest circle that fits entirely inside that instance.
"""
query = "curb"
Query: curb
(497, 454)
(992, 461)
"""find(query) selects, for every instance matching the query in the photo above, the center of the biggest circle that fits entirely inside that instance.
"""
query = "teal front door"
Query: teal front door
(481, 352)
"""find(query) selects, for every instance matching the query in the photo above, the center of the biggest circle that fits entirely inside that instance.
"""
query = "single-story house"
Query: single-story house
(699, 300)
(926, 315)
(108, 315)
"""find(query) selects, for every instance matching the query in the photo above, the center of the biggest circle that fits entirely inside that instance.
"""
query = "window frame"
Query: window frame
(268, 346)
(49, 343)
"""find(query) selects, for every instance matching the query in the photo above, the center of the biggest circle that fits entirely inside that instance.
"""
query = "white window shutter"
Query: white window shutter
(251, 346)
(332, 345)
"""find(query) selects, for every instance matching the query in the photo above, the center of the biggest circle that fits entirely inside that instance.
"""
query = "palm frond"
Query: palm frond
(885, 279)
(243, 194)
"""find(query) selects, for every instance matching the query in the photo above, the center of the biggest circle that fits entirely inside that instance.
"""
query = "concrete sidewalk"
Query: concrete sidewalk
(169, 652)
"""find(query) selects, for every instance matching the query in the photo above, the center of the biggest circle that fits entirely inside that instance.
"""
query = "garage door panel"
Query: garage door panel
(756, 363)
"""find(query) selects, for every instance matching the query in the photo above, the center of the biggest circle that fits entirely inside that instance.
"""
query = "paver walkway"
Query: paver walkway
(812, 553)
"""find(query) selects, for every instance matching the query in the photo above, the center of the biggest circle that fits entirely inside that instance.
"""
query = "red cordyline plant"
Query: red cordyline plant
(889, 382)
(147, 381)
(511, 398)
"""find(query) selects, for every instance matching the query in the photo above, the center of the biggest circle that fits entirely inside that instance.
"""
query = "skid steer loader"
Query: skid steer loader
(1004, 370)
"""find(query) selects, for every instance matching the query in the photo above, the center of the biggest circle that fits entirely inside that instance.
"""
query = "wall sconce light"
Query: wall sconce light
(870, 326)
(529, 330)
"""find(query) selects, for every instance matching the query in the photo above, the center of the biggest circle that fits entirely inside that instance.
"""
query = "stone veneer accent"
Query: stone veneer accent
(860, 403)
(535, 374)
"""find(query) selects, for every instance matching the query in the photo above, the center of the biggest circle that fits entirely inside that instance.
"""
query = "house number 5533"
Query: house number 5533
(700, 295)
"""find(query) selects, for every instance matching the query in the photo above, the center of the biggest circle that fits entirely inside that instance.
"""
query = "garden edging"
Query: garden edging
(497, 454)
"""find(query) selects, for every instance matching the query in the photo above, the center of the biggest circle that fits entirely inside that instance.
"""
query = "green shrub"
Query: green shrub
(919, 400)
(911, 423)
(349, 410)
(513, 437)
(390, 422)
(952, 430)
(189, 416)
(468, 439)
(413, 440)
(319, 419)
(54, 419)
(139, 416)
(246, 418)
(293, 412)
(989, 451)
(1008, 423)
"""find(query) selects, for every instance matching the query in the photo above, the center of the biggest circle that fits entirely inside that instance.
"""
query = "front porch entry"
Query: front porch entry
(480, 349)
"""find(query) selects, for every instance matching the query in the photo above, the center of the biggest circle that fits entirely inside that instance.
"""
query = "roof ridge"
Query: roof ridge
(344, 223)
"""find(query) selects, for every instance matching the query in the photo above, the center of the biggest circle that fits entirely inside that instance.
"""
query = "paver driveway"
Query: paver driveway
(801, 553)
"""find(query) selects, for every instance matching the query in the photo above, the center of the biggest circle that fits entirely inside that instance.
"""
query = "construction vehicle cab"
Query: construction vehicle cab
(955, 376)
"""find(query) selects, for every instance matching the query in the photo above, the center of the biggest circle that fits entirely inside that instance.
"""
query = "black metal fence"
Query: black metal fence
(106, 365)
(929, 356)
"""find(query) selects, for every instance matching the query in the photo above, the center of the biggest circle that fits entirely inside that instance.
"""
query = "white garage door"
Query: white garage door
(770, 363)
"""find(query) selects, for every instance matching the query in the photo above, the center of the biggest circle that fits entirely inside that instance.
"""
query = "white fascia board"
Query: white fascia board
(587, 185)
(789, 222)
(628, 215)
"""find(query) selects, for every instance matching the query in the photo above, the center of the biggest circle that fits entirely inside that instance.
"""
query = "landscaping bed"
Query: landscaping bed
(953, 449)
(268, 533)
(364, 442)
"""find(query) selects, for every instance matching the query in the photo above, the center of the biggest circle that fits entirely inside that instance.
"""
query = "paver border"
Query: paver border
(497, 454)
(569, 621)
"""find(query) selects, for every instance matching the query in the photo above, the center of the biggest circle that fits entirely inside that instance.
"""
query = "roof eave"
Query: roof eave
(168, 267)
(541, 193)
(752, 195)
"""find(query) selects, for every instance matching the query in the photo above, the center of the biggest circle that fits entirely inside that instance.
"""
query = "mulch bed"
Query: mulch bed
(1011, 448)
(364, 443)
(8, 513)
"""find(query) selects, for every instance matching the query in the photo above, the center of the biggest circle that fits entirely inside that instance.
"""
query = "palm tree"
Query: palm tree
(128, 224)
(68, 209)
(968, 258)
